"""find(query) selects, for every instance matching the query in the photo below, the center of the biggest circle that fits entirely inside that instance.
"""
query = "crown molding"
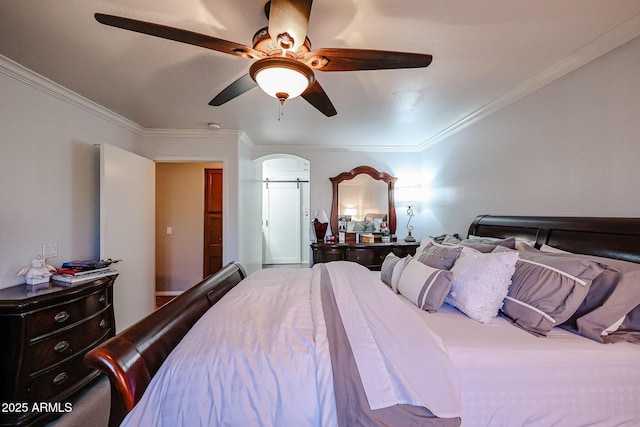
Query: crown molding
(191, 133)
(43, 84)
(295, 148)
(601, 45)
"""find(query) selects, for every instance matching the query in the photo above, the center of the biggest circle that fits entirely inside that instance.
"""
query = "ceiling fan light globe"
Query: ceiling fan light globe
(277, 76)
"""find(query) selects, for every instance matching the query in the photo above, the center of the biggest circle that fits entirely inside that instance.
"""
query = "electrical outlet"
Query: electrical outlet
(49, 250)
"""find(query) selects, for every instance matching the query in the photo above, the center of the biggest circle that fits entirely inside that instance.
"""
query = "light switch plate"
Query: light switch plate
(49, 250)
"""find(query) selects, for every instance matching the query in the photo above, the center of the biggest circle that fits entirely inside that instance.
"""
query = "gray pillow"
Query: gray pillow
(509, 242)
(386, 271)
(439, 256)
(482, 244)
(546, 290)
(613, 295)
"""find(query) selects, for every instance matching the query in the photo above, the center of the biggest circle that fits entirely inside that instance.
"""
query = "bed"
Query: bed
(335, 345)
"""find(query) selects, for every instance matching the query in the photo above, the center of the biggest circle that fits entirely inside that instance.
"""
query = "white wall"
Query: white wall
(49, 170)
(249, 209)
(570, 148)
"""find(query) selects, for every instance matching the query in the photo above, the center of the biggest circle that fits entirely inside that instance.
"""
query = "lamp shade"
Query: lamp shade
(281, 77)
(407, 195)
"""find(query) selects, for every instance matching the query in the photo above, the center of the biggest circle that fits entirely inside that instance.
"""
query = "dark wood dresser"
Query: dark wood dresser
(45, 334)
(370, 255)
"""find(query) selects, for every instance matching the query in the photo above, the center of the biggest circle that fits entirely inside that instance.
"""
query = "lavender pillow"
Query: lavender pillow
(439, 256)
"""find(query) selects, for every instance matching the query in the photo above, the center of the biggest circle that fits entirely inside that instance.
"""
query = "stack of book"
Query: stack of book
(73, 272)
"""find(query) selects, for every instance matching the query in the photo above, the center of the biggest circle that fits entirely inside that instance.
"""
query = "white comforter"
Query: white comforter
(261, 356)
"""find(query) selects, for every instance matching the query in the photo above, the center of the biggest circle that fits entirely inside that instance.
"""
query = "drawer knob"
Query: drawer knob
(60, 378)
(61, 347)
(61, 317)
(103, 323)
(102, 299)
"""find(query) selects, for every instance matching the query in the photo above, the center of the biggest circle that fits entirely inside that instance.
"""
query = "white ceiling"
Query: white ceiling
(486, 54)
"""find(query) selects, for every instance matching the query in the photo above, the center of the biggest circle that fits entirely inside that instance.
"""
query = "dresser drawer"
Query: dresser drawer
(327, 255)
(59, 316)
(64, 344)
(45, 386)
(361, 256)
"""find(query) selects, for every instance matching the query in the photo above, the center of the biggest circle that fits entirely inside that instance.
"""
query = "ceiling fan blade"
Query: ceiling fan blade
(179, 35)
(317, 97)
(289, 17)
(338, 59)
(235, 89)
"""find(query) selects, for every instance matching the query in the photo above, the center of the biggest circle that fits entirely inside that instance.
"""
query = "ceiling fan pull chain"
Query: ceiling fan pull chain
(280, 110)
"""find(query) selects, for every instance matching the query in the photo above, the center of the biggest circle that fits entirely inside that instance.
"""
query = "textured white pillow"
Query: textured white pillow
(481, 282)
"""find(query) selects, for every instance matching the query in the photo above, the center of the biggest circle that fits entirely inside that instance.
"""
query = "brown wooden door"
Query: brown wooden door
(212, 221)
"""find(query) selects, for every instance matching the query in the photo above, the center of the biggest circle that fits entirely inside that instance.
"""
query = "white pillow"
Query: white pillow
(521, 244)
(551, 249)
(481, 282)
(425, 286)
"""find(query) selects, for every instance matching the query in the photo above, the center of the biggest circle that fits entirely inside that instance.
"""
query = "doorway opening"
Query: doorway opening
(180, 216)
(285, 211)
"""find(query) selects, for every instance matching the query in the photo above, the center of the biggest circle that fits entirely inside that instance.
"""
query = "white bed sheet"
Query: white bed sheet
(380, 330)
(509, 377)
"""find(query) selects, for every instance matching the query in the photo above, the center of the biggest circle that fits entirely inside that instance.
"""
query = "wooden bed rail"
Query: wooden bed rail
(132, 358)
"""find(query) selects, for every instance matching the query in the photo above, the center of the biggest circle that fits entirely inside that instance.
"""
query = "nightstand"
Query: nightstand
(45, 334)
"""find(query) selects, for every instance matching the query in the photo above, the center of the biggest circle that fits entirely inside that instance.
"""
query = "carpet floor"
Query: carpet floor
(90, 407)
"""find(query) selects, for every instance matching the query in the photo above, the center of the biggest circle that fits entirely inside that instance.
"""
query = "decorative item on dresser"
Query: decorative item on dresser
(45, 334)
(370, 255)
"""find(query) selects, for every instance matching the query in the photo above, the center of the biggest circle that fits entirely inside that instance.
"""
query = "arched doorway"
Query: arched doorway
(285, 210)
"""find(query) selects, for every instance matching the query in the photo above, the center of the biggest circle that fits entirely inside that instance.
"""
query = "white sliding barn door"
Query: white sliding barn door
(282, 223)
(127, 230)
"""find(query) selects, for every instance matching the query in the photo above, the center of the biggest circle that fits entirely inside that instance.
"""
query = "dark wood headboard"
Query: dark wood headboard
(612, 237)
(132, 358)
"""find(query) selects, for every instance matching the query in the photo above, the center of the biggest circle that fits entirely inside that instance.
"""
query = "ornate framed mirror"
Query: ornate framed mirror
(366, 191)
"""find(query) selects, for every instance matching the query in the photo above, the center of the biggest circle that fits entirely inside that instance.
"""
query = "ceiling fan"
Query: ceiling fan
(284, 62)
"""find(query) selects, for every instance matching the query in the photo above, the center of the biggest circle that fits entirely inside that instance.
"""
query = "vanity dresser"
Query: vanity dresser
(370, 255)
(363, 193)
(45, 334)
